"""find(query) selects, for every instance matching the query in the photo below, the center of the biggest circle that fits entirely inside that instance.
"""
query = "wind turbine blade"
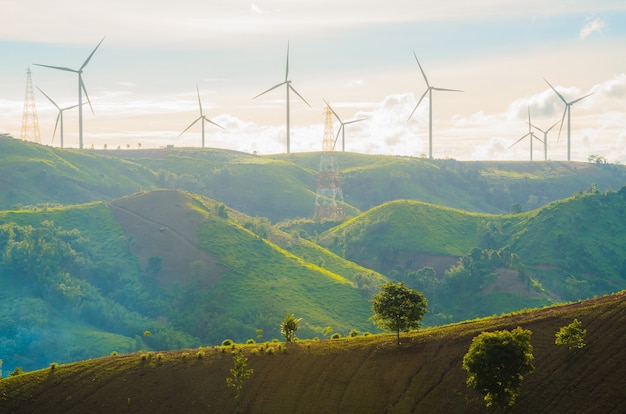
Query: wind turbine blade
(49, 98)
(333, 111)
(422, 70)
(211, 122)
(580, 99)
(296, 92)
(82, 85)
(270, 89)
(69, 107)
(55, 126)
(287, 66)
(555, 91)
(538, 129)
(190, 125)
(199, 102)
(548, 130)
(446, 90)
(354, 121)
(418, 104)
(337, 137)
(89, 58)
(519, 140)
(562, 120)
(56, 67)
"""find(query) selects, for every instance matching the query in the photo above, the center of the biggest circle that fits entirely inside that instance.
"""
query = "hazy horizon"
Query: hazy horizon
(356, 55)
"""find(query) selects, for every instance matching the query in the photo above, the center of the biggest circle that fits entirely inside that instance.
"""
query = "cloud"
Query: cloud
(591, 26)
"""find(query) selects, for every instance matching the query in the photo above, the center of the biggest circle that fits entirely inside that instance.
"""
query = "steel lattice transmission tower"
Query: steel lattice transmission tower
(30, 122)
(329, 198)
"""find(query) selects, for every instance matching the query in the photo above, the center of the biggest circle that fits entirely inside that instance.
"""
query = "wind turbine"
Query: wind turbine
(81, 88)
(530, 134)
(342, 128)
(568, 106)
(429, 91)
(59, 116)
(201, 117)
(545, 138)
(288, 87)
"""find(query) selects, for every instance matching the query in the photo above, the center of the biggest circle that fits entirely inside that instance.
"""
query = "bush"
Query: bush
(114, 353)
(496, 363)
(17, 371)
(572, 335)
(250, 342)
(227, 342)
(354, 333)
(336, 335)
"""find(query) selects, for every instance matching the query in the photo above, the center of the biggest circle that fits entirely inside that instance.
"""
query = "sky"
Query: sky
(360, 56)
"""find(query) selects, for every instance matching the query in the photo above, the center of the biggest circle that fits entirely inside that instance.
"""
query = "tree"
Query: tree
(496, 363)
(398, 308)
(289, 326)
(572, 335)
(239, 373)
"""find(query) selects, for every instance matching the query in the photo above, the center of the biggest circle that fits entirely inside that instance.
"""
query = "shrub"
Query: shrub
(200, 354)
(572, 335)
(114, 353)
(159, 356)
(250, 342)
(366, 334)
(53, 365)
(270, 351)
(336, 335)
(17, 371)
(354, 333)
(184, 355)
(227, 342)
(496, 363)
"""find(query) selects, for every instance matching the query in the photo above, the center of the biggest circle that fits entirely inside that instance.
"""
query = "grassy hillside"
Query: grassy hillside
(568, 250)
(32, 174)
(358, 375)
(184, 267)
(281, 187)
(478, 186)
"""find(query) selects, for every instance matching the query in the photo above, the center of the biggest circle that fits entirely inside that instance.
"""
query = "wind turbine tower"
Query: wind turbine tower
(202, 118)
(429, 91)
(342, 128)
(530, 136)
(329, 197)
(545, 139)
(568, 107)
(288, 87)
(30, 122)
(59, 116)
(81, 89)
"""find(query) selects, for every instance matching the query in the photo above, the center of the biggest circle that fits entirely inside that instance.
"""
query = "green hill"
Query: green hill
(178, 265)
(357, 375)
(568, 250)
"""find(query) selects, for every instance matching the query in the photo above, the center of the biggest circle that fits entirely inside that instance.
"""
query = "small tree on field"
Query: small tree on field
(572, 335)
(496, 363)
(398, 308)
(289, 326)
(240, 373)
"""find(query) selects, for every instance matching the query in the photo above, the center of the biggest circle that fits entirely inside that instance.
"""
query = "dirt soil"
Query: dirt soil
(162, 223)
(364, 375)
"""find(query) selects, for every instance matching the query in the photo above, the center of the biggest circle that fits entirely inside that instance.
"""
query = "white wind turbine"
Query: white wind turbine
(530, 134)
(568, 106)
(59, 116)
(202, 117)
(545, 138)
(342, 128)
(288, 87)
(81, 88)
(429, 91)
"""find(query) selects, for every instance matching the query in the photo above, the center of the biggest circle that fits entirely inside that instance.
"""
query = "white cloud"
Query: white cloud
(592, 26)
